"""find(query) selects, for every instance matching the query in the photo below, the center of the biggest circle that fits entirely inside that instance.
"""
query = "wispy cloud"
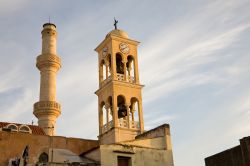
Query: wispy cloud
(193, 60)
(181, 67)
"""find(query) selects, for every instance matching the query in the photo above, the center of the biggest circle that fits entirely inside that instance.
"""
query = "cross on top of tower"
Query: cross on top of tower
(115, 23)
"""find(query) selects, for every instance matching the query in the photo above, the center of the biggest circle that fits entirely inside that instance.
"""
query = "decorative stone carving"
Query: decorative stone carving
(45, 107)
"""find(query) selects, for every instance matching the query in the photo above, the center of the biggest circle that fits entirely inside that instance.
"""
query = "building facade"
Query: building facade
(122, 140)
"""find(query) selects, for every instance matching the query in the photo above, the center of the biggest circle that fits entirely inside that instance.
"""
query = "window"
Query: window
(12, 127)
(124, 161)
(43, 158)
(25, 129)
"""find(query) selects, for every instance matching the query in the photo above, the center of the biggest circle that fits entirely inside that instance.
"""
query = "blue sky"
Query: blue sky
(193, 58)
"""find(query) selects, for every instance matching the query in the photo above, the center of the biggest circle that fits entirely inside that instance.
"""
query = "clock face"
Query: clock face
(124, 48)
(105, 51)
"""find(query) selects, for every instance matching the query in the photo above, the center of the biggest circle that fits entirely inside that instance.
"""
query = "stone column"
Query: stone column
(133, 111)
(125, 69)
(129, 69)
(115, 114)
(100, 118)
(47, 109)
(101, 73)
(140, 116)
(128, 110)
(107, 69)
(136, 71)
(107, 115)
(113, 65)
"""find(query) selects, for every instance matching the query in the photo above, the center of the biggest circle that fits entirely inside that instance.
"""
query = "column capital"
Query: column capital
(107, 63)
(124, 61)
(107, 106)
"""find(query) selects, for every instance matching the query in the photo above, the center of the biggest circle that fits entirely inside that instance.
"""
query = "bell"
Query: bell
(122, 112)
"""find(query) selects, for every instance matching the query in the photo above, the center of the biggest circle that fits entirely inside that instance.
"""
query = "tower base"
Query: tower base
(115, 135)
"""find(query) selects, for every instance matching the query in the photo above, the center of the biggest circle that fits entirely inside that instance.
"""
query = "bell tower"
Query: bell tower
(119, 94)
(47, 109)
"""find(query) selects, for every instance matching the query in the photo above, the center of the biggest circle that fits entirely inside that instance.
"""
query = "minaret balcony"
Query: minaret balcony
(47, 107)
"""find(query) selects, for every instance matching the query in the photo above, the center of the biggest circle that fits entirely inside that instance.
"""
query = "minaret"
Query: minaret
(47, 109)
(119, 94)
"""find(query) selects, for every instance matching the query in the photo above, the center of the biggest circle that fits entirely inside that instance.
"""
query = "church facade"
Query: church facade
(122, 140)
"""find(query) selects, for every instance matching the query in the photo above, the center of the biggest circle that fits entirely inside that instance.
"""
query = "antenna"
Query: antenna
(49, 19)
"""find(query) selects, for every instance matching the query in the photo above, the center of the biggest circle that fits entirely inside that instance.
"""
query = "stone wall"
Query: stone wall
(160, 131)
(13, 144)
(230, 157)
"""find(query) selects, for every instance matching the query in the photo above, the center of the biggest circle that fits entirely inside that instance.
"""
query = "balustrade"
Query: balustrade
(120, 77)
(107, 126)
(131, 79)
(134, 125)
(106, 81)
(121, 123)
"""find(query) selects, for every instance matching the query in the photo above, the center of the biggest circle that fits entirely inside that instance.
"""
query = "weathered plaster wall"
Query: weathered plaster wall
(13, 144)
(157, 143)
(161, 131)
(139, 156)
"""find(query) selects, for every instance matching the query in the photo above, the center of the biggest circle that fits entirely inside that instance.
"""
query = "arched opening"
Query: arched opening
(43, 158)
(12, 127)
(119, 64)
(134, 113)
(109, 66)
(110, 110)
(103, 117)
(122, 110)
(25, 129)
(103, 70)
(130, 69)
